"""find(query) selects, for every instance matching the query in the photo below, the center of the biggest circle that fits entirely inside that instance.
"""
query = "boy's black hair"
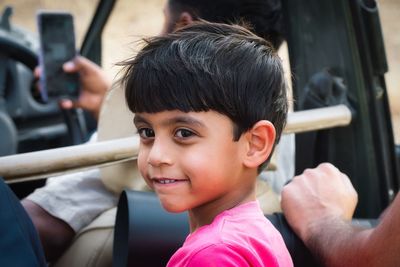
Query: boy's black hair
(209, 66)
(264, 16)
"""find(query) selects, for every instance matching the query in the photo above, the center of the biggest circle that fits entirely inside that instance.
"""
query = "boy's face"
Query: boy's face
(190, 159)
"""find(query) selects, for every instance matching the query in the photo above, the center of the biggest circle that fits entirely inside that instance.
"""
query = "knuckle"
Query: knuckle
(327, 166)
(308, 171)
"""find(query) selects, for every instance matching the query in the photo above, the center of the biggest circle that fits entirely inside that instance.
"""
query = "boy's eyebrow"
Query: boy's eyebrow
(184, 119)
(174, 120)
(139, 119)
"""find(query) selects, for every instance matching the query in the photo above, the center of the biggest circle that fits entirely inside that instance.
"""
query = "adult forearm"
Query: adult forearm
(385, 239)
(55, 235)
(336, 242)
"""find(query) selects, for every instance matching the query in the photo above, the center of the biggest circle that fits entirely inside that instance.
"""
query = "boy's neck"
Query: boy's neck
(205, 214)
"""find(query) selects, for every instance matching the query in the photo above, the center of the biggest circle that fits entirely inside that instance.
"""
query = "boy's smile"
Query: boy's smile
(191, 160)
(161, 182)
(166, 180)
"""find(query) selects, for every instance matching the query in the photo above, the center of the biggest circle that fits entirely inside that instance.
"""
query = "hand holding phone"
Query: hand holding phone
(57, 46)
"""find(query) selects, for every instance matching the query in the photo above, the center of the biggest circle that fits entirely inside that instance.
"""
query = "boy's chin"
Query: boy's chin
(173, 208)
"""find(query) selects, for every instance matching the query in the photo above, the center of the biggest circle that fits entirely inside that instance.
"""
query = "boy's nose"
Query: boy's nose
(158, 154)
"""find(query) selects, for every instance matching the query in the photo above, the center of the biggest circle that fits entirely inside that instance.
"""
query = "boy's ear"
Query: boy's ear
(184, 19)
(260, 139)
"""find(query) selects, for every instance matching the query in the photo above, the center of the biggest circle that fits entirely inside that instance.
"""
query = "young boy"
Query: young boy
(210, 104)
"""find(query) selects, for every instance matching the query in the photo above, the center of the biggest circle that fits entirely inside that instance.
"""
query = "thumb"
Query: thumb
(77, 64)
(70, 66)
(81, 64)
(37, 72)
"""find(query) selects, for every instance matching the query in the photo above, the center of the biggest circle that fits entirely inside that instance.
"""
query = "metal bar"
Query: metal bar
(51, 161)
(95, 30)
(41, 164)
(41, 175)
(317, 119)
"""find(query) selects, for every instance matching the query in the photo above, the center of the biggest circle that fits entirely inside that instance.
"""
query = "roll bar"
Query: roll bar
(40, 164)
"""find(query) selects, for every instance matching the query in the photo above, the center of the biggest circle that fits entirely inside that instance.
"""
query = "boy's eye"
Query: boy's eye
(146, 132)
(184, 133)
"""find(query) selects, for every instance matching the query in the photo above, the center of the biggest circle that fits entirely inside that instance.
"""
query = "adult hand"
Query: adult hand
(319, 194)
(94, 85)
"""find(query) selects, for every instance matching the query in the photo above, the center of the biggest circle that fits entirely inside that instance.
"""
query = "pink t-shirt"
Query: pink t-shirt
(241, 236)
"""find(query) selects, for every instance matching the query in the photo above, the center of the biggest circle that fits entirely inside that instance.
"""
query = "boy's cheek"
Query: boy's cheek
(142, 166)
(143, 169)
(145, 176)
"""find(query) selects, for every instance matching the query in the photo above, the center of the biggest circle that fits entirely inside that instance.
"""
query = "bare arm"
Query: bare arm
(55, 235)
(383, 243)
(319, 205)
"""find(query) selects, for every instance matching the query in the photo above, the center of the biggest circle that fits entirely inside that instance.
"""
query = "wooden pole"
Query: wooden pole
(35, 165)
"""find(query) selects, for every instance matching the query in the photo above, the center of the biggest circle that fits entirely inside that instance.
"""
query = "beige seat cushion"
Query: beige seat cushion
(92, 246)
(116, 121)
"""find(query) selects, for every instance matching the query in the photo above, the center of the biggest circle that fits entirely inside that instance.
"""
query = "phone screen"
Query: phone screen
(57, 42)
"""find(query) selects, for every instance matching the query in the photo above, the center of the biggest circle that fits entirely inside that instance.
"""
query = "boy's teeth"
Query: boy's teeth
(166, 181)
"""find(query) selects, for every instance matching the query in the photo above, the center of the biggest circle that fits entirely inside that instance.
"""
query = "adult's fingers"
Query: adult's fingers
(67, 104)
(37, 72)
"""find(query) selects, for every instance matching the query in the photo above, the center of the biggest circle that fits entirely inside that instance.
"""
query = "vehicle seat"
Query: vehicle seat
(92, 246)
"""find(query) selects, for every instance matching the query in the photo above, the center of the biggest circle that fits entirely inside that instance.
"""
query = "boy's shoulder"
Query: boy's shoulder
(241, 235)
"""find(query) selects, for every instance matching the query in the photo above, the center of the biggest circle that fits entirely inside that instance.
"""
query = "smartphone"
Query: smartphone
(57, 46)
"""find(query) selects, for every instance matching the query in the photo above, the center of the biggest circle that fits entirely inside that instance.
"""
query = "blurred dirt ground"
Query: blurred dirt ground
(132, 20)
